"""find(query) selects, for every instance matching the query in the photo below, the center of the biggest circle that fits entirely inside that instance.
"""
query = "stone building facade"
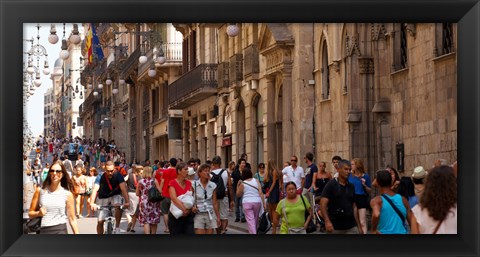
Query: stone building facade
(385, 93)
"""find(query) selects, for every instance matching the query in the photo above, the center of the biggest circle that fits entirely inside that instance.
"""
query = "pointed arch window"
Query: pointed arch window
(325, 73)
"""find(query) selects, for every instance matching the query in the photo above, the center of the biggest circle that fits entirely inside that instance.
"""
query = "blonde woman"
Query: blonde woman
(363, 186)
(79, 188)
(149, 212)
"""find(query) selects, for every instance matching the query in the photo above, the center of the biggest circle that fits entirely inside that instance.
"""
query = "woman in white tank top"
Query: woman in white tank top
(54, 202)
(252, 199)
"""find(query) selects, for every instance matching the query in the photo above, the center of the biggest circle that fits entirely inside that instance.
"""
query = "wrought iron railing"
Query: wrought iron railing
(204, 75)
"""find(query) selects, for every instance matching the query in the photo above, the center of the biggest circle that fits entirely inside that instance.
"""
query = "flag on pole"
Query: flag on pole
(96, 44)
(92, 44)
(88, 44)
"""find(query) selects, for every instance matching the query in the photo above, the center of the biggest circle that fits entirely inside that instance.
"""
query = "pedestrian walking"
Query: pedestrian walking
(206, 208)
(149, 212)
(337, 203)
(390, 211)
(273, 192)
(178, 187)
(54, 202)
(253, 200)
(292, 211)
(436, 212)
(360, 179)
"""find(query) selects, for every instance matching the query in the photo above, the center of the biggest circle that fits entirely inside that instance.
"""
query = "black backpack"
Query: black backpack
(264, 224)
(218, 180)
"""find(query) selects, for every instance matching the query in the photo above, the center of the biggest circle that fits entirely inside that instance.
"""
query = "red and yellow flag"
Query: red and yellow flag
(88, 44)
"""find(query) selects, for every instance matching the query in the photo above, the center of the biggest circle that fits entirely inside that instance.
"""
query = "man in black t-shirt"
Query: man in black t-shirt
(338, 203)
(111, 187)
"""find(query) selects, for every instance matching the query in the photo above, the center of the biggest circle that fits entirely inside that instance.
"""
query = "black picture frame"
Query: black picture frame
(14, 13)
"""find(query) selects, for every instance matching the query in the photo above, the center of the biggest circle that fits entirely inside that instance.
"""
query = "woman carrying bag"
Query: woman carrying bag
(292, 210)
(252, 199)
(54, 202)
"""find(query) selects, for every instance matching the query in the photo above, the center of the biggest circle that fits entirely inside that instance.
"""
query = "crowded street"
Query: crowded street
(240, 128)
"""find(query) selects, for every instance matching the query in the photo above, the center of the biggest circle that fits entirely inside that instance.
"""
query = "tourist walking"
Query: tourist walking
(54, 202)
(149, 212)
(436, 212)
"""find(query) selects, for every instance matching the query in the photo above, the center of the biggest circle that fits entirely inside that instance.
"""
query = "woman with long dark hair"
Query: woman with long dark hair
(436, 213)
(250, 190)
(273, 192)
(54, 202)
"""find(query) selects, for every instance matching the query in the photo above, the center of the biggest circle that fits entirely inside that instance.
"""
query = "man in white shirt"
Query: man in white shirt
(295, 173)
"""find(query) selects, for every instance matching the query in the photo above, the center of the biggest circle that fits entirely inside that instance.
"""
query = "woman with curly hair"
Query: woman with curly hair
(436, 213)
(54, 202)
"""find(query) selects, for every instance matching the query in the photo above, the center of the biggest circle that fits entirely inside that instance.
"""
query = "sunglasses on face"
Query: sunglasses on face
(293, 160)
(55, 171)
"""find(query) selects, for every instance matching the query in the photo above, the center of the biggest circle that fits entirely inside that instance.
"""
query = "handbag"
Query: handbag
(154, 195)
(33, 225)
(311, 227)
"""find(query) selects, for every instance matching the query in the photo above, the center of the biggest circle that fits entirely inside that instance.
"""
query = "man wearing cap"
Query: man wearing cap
(223, 203)
(168, 174)
(418, 176)
(191, 175)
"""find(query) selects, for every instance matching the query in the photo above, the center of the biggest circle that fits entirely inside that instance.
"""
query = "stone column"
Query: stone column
(269, 133)
(287, 109)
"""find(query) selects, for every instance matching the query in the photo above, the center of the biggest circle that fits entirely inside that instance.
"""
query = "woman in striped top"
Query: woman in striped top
(54, 202)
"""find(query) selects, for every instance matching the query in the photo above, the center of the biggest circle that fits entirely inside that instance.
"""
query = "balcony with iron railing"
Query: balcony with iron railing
(193, 87)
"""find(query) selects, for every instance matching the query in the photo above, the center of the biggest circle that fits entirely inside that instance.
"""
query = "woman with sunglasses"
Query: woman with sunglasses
(54, 202)
(206, 209)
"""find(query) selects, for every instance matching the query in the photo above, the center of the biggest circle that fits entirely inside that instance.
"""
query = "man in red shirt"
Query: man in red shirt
(120, 169)
(168, 174)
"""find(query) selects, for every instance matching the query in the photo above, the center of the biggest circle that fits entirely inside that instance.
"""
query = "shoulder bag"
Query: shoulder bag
(154, 195)
(395, 209)
(311, 227)
(33, 225)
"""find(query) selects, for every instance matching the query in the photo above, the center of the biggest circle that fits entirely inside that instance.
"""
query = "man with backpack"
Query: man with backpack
(221, 178)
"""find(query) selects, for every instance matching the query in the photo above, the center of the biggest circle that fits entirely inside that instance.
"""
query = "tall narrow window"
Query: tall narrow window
(447, 38)
(400, 60)
(403, 48)
(325, 73)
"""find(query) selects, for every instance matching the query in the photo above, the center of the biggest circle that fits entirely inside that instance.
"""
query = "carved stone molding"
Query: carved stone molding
(366, 65)
(378, 31)
(335, 66)
(411, 28)
(351, 46)
(277, 59)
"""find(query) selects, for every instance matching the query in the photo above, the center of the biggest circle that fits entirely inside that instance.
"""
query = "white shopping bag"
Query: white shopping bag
(186, 199)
